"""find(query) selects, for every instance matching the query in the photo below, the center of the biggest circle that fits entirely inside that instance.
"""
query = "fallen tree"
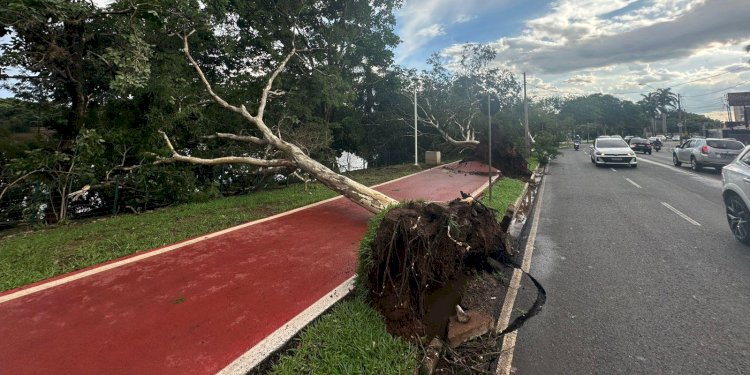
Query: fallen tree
(423, 254)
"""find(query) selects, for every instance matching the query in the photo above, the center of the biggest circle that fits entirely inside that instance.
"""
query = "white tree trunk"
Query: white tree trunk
(369, 198)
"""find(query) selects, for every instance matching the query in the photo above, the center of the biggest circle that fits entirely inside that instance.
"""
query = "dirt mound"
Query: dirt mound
(422, 256)
(505, 156)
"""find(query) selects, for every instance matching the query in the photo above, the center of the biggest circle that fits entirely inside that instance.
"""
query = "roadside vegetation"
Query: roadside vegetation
(47, 252)
(351, 339)
(504, 192)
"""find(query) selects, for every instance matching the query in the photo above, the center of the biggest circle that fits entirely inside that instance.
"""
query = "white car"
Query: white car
(612, 151)
(735, 178)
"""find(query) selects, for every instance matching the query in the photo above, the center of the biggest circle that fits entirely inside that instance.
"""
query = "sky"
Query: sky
(572, 47)
(575, 47)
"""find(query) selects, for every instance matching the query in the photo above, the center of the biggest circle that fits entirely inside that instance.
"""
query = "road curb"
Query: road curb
(520, 210)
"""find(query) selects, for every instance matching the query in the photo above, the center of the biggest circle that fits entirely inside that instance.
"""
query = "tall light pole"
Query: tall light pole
(415, 80)
(526, 118)
(489, 133)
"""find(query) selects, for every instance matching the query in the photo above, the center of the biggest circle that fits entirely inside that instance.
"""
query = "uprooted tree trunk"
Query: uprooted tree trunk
(371, 199)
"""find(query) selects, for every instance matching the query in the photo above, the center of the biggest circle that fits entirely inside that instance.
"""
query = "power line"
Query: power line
(718, 91)
(712, 76)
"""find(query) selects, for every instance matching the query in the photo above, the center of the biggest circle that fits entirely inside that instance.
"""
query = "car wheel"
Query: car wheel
(633, 165)
(738, 216)
(649, 152)
(675, 161)
(694, 164)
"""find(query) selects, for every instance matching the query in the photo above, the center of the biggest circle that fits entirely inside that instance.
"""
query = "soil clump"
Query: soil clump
(424, 255)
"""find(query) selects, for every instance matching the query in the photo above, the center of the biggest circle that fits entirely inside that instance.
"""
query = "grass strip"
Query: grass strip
(533, 163)
(34, 256)
(351, 339)
(504, 192)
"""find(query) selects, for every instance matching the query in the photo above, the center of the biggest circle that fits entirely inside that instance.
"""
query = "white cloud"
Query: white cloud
(419, 15)
(432, 31)
(628, 47)
(463, 18)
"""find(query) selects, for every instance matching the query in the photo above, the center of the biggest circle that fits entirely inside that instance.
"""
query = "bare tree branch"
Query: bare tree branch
(176, 156)
(217, 98)
(234, 137)
(269, 84)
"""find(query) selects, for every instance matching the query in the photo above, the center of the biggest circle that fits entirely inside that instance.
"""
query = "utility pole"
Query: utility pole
(489, 133)
(416, 158)
(526, 118)
(679, 111)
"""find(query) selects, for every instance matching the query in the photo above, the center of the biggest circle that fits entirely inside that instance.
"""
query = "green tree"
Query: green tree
(73, 52)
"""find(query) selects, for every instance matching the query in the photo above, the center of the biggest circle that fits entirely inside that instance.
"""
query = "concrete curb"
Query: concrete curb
(518, 212)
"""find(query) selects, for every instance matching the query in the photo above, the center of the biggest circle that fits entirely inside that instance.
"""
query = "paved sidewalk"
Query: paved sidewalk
(196, 306)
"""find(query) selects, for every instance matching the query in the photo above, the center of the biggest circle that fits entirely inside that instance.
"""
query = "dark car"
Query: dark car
(640, 145)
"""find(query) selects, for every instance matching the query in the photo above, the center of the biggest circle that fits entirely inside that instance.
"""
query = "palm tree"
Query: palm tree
(651, 107)
(665, 99)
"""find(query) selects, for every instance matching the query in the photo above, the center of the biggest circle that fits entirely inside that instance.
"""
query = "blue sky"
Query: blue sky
(573, 47)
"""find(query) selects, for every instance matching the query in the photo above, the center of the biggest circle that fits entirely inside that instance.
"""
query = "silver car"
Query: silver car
(612, 150)
(736, 191)
(708, 152)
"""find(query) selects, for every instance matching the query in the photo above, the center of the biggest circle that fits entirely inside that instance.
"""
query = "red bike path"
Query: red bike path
(196, 306)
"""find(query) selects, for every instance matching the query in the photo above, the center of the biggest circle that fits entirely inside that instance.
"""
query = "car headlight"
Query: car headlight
(597, 152)
(631, 153)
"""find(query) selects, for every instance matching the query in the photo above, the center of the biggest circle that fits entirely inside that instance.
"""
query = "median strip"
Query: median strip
(686, 217)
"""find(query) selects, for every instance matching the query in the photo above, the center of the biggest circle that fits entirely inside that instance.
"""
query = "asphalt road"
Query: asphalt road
(632, 286)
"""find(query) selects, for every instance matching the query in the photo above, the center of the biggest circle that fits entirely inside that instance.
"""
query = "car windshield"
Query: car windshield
(610, 143)
(725, 144)
(638, 140)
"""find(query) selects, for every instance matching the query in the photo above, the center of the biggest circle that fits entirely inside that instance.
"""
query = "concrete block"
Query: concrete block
(458, 333)
(432, 157)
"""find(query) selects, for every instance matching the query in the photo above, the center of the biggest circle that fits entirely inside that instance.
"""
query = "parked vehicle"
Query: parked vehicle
(676, 138)
(611, 150)
(709, 152)
(661, 137)
(735, 181)
(640, 145)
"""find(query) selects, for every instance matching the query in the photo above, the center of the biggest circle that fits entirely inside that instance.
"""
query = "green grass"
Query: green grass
(351, 339)
(504, 192)
(34, 256)
(533, 163)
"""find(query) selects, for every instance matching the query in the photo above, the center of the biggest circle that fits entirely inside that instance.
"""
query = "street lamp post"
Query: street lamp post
(489, 135)
(415, 80)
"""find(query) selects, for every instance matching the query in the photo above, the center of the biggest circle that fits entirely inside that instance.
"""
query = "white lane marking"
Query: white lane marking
(613, 170)
(633, 182)
(152, 253)
(708, 181)
(509, 341)
(274, 341)
(686, 217)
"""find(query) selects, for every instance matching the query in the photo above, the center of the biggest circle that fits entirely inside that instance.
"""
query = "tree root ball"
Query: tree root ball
(505, 156)
(422, 256)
